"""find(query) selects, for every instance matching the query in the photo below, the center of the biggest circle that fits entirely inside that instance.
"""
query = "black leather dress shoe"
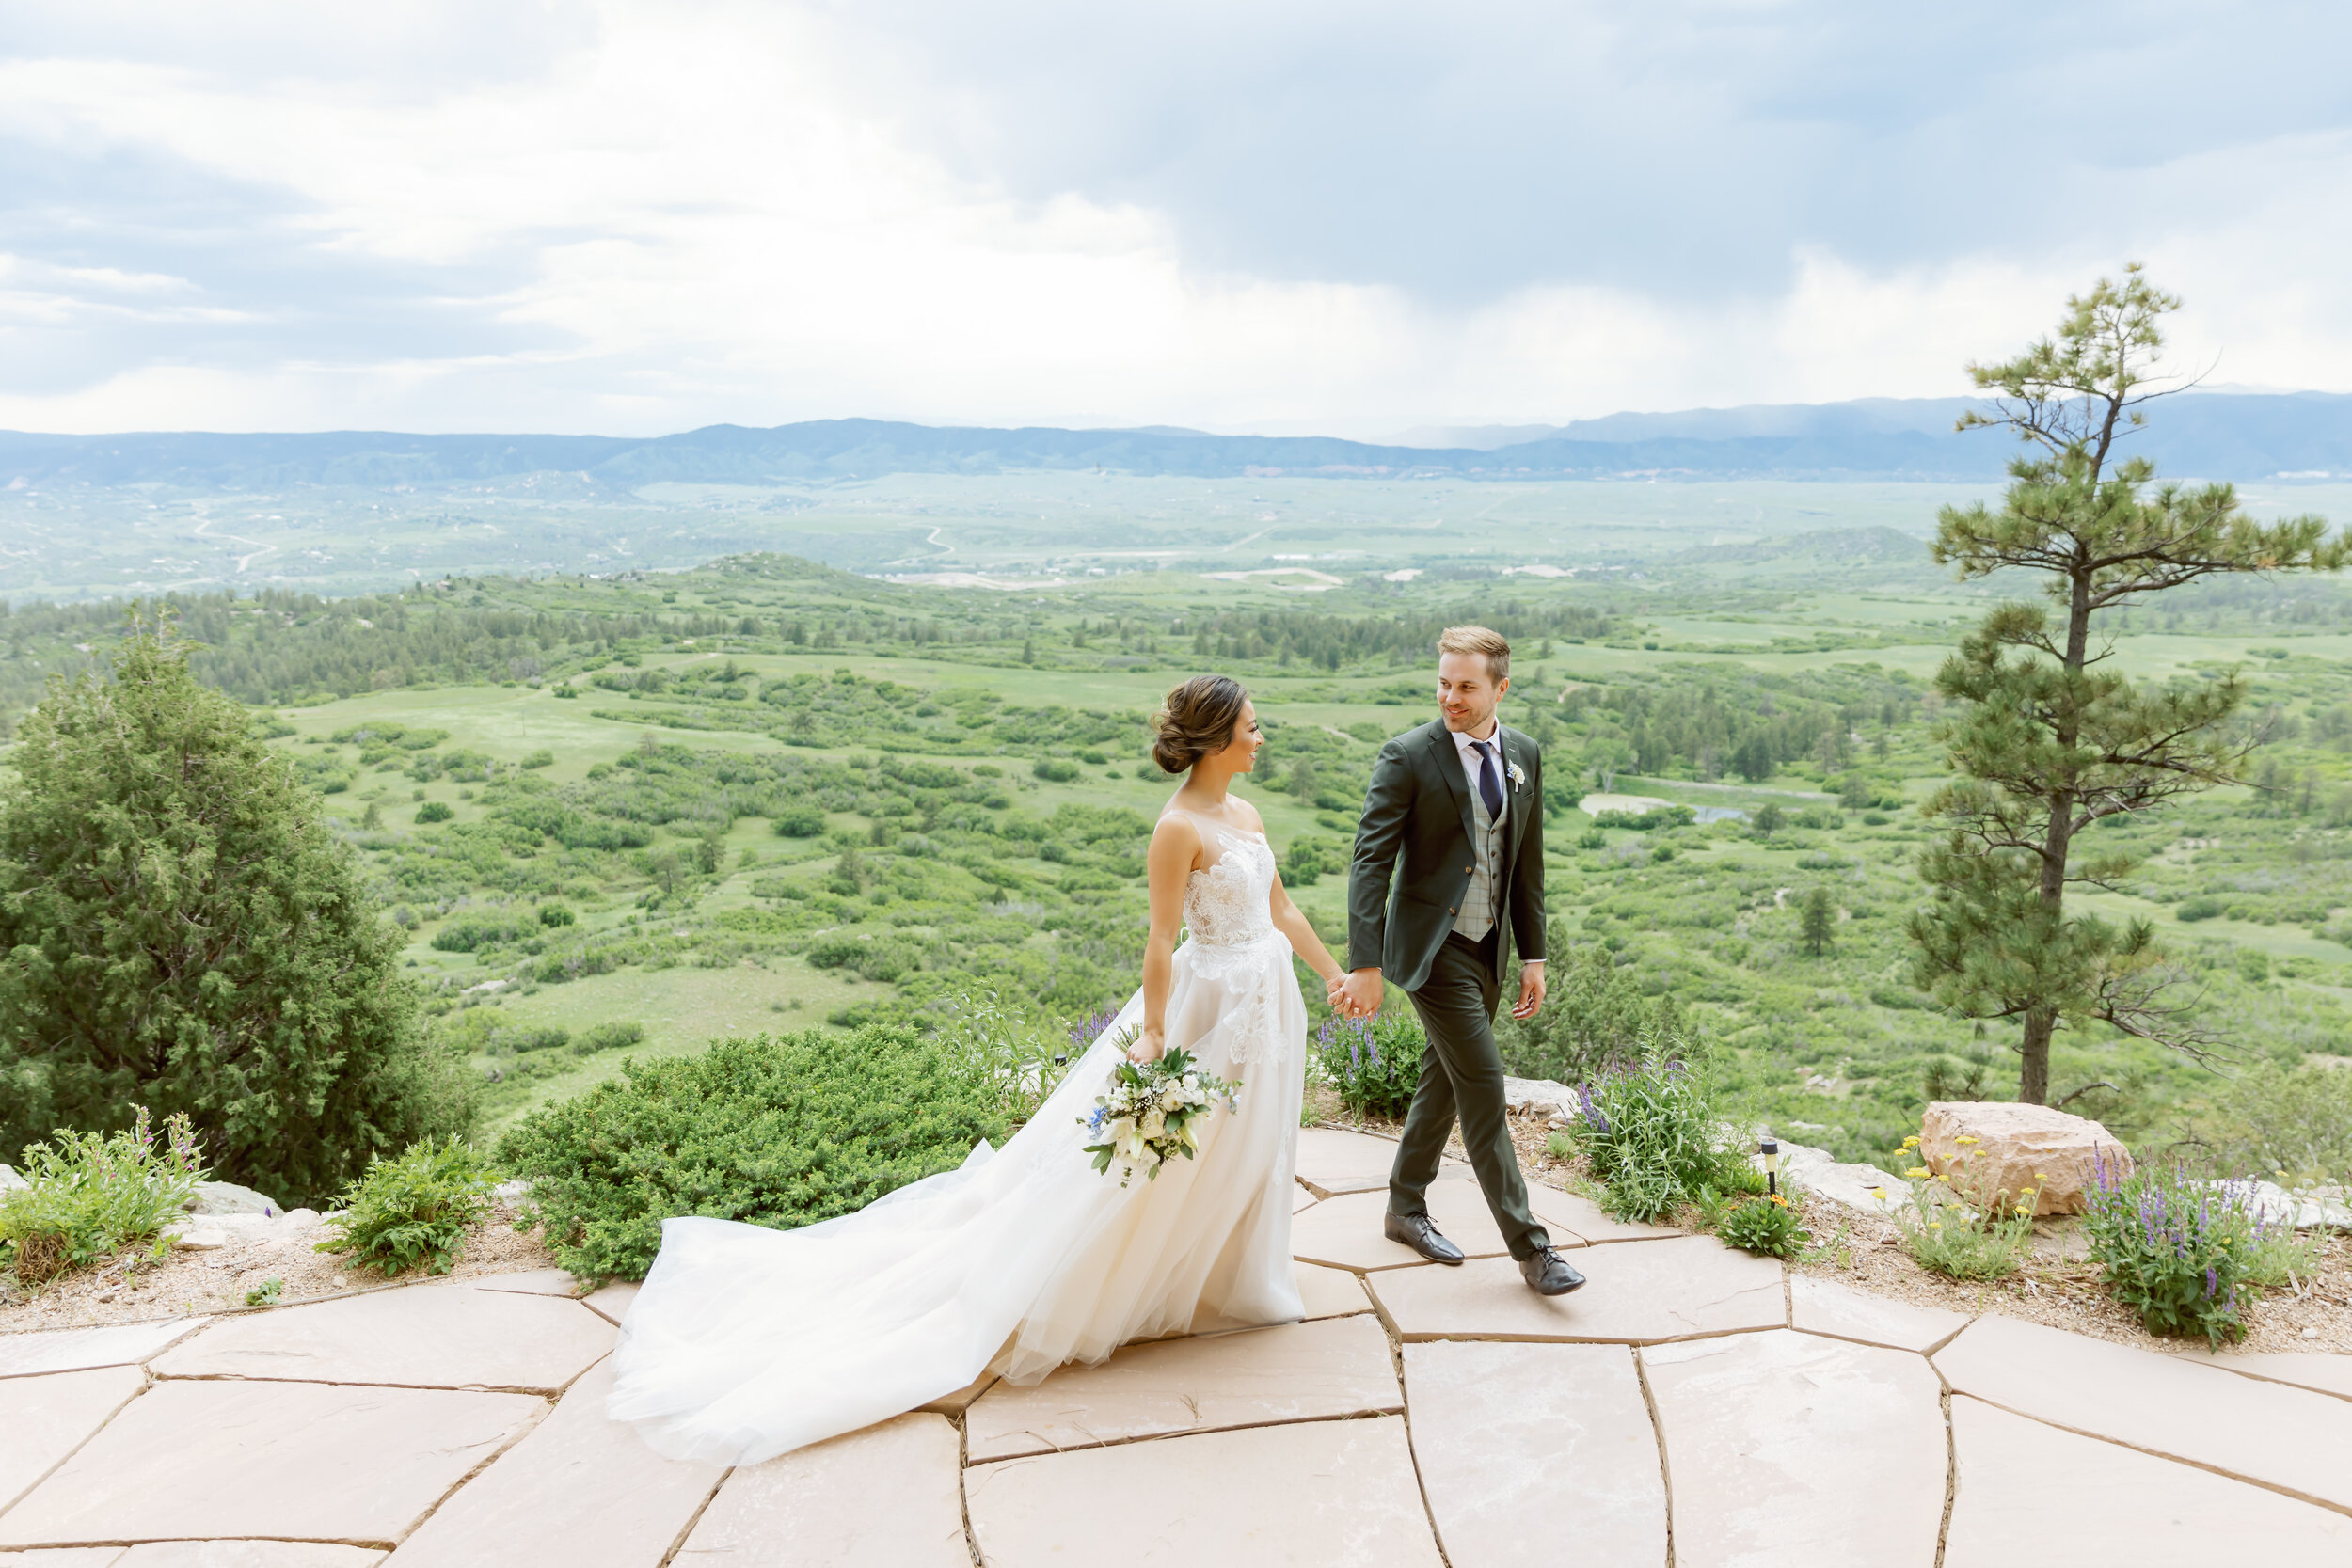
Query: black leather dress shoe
(1548, 1274)
(1418, 1233)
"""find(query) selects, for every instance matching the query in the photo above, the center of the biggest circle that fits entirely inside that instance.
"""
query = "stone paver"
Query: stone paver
(1665, 1290)
(70, 1557)
(1315, 1495)
(2291, 1438)
(1338, 1366)
(960, 1400)
(67, 1350)
(2328, 1373)
(1786, 1448)
(1825, 1307)
(1330, 1292)
(290, 1461)
(46, 1417)
(532, 1282)
(2030, 1494)
(1344, 1232)
(427, 1336)
(1526, 1444)
(1332, 1161)
(1572, 1221)
(624, 1505)
(817, 1507)
(246, 1554)
(611, 1301)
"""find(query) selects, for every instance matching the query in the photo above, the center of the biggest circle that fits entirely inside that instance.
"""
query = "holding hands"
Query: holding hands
(1356, 994)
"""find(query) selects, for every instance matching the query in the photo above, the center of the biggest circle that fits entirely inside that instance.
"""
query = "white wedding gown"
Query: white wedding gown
(747, 1342)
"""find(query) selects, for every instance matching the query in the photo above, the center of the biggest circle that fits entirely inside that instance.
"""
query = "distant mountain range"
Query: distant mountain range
(2197, 434)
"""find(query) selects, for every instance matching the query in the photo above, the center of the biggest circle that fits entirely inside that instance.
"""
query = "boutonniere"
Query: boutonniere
(1518, 775)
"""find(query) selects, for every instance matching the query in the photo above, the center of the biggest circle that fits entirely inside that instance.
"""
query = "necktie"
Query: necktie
(1489, 785)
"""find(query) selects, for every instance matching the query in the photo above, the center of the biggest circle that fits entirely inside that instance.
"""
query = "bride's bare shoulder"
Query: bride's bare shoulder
(1251, 821)
(1175, 830)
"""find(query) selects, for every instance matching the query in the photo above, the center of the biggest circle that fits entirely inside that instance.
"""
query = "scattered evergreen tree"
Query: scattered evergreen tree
(2047, 741)
(1817, 921)
(179, 929)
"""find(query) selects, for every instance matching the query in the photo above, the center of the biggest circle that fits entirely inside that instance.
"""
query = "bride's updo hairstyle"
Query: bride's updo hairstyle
(1197, 719)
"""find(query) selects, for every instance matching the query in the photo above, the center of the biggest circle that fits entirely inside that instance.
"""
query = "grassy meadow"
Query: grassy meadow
(623, 816)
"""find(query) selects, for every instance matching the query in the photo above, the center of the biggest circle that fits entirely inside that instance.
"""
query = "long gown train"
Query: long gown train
(747, 1342)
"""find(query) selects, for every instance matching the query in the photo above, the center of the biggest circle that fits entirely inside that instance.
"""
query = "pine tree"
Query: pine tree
(2046, 739)
(1817, 921)
(179, 929)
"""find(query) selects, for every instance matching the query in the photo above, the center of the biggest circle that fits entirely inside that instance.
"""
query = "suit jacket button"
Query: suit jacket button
(1449, 909)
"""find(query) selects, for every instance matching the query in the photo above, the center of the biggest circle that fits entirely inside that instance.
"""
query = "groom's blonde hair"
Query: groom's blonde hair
(1479, 640)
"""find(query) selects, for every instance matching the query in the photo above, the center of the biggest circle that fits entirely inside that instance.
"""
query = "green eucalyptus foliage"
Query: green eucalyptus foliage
(2049, 740)
(775, 1131)
(413, 1210)
(179, 929)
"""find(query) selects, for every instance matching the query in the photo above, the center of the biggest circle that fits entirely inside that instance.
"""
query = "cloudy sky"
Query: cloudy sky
(635, 217)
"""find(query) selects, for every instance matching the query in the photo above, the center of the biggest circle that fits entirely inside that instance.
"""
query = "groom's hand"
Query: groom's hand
(1531, 990)
(1358, 995)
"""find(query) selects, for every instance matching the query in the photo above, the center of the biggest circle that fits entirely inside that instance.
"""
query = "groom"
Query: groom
(1461, 799)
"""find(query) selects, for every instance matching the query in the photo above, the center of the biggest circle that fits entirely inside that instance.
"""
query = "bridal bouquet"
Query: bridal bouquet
(1144, 1117)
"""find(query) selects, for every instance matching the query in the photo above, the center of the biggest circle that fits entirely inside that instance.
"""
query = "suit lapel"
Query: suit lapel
(1448, 762)
(1519, 804)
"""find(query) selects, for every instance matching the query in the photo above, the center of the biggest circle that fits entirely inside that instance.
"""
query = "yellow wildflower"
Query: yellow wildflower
(1936, 1225)
(1879, 1192)
(1912, 1142)
(1943, 1178)
(2039, 1177)
(1964, 1139)
(1775, 1197)
(1916, 1173)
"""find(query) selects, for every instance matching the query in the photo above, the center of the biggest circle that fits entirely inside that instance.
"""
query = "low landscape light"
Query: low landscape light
(1770, 1151)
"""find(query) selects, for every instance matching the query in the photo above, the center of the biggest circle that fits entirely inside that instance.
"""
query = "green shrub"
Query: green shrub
(552, 915)
(1647, 821)
(88, 1196)
(874, 958)
(2293, 1125)
(1054, 770)
(479, 931)
(181, 928)
(608, 1037)
(413, 1210)
(2178, 1251)
(799, 822)
(540, 758)
(1375, 1064)
(1653, 1133)
(1946, 1236)
(780, 1132)
(1765, 1226)
(2199, 908)
(433, 811)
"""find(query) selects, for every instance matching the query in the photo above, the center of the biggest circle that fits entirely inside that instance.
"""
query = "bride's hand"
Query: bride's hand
(1149, 1046)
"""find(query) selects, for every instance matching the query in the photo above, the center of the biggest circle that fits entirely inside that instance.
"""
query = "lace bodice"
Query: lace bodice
(1226, 904)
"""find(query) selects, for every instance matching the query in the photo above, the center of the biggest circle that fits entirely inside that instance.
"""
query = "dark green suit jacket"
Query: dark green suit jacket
(1417, 810)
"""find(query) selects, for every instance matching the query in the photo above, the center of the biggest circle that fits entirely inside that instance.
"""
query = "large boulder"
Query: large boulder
(1863, 1189)
(227, 1198)
(1991, 1151)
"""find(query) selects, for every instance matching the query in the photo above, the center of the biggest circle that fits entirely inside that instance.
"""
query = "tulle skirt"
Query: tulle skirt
(747, 1342)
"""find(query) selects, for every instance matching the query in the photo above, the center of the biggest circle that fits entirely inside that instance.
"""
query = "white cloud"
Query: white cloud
(642, 217)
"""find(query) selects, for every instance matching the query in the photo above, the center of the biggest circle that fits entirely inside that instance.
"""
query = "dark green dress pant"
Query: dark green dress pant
(1461, 1075)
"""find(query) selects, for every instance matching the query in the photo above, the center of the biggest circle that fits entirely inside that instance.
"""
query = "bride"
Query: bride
(748, 1342)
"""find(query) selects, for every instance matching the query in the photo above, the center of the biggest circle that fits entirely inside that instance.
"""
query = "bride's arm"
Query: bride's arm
(1292, 921)
(1175, 845)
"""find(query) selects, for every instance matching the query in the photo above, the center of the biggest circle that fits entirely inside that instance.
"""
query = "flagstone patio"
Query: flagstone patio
(1693, 1405)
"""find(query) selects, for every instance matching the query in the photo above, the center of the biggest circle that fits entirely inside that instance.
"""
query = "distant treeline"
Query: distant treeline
(1331, 642)
(1709, 723)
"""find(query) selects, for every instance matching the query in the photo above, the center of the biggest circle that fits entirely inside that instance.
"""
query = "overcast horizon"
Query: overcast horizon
(614, 218)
